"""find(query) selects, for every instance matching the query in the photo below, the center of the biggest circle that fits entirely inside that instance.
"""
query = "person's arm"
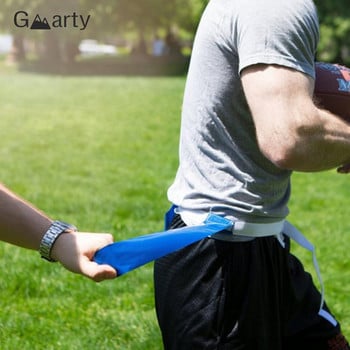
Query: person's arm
(24, 225)
(291, 130)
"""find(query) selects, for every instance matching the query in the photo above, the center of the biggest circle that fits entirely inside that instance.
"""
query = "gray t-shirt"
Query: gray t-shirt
(221, 167)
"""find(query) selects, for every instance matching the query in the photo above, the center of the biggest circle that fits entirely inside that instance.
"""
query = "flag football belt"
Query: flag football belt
(127, 255)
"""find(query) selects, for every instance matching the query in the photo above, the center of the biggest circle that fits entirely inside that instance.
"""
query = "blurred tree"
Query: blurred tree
(54, 44)
(335, 30)
(105, 18)
(144, 16)
(150, 14)
(8, 9)
(109, 17)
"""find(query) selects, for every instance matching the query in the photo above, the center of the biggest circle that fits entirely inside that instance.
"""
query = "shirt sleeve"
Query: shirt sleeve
(277, 32)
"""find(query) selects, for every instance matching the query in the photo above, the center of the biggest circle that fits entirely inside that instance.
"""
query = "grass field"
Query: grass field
(100, 152)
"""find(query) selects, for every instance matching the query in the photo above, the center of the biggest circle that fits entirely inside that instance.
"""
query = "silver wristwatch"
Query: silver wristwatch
(49, 238)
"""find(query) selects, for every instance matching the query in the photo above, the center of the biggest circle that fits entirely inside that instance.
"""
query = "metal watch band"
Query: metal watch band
(49, 238)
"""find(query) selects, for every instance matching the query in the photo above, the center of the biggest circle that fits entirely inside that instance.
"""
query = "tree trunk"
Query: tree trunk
(17, 53)
(52, 51)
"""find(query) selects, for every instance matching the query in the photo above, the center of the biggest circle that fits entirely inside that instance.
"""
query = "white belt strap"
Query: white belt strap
(277, 229)
(298, 237)
(245, 231)
(242, 228)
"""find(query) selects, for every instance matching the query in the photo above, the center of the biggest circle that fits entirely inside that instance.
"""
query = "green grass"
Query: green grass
(319, 208)
(100, 152)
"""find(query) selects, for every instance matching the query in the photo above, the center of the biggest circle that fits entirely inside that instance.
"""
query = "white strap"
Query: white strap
(242, 228)
(276, 229)
(247, 229)
(298, 237)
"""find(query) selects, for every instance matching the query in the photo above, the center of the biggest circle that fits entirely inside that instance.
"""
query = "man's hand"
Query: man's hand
(75, 251)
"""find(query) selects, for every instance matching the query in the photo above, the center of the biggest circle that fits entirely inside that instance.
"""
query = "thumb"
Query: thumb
(97, 272)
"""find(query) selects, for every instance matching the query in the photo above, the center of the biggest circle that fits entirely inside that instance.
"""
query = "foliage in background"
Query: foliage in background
(110, 18)
(335, 30)
(122, 18)
(114, 15)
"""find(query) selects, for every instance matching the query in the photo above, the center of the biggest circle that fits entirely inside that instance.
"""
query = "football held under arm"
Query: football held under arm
(291, 130)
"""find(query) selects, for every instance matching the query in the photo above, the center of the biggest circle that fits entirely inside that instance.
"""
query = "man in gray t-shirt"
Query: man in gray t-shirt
(221, 165)
(248, 121)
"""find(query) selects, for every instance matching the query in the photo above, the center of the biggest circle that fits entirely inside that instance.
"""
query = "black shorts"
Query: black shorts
(240, 295)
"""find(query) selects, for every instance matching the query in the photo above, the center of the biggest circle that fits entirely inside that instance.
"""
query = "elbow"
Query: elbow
(284, 154)
(287, 161)
(292, 145)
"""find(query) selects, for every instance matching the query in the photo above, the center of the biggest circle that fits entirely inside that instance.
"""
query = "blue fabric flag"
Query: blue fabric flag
(127, 255)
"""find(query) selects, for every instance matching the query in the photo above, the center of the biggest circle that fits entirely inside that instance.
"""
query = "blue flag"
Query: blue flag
(132, 253)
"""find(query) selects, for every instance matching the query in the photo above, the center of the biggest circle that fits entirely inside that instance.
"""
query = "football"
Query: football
(332, 88)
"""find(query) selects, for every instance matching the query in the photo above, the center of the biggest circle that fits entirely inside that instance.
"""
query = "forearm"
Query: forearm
(24, 225)
(21, 223)
(292, 132)
(321, 143)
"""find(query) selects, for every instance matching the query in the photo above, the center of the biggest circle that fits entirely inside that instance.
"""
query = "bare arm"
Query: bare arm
(291, 130)
(23, 225)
